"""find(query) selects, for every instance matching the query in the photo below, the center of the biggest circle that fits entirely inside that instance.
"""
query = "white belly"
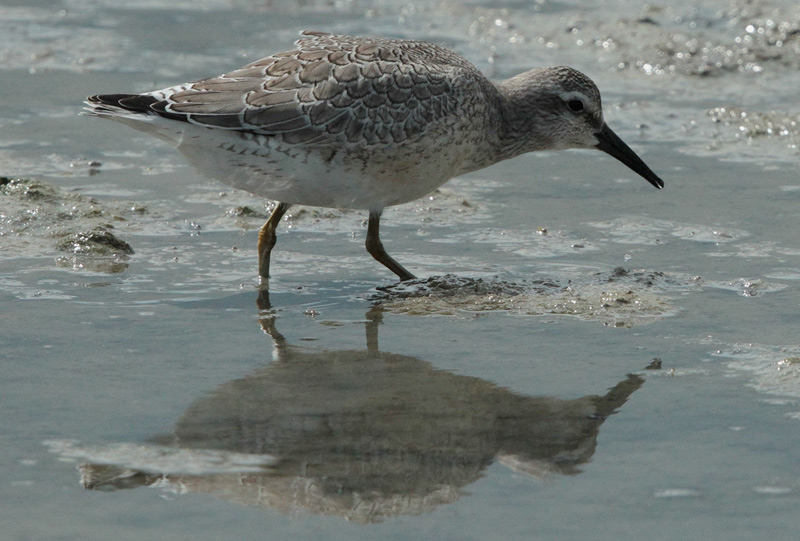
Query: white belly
(367, 178)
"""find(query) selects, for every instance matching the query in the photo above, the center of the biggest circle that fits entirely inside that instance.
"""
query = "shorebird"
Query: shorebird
(365, 123)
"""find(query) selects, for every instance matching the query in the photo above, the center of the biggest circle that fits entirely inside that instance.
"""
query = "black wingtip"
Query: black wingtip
(137, 103)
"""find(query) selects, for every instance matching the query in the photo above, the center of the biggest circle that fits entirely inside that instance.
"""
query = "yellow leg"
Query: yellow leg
(376, 250)
(267, 238)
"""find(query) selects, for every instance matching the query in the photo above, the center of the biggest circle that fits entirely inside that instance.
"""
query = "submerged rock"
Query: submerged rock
(98, 243)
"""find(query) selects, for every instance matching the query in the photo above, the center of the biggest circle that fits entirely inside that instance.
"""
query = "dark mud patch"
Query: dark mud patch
(38, 219)
(95, 243)
(620, 298)
(98, 251)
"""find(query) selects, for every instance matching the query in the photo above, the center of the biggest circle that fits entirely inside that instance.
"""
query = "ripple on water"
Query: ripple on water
(773, 370)
(643, 230)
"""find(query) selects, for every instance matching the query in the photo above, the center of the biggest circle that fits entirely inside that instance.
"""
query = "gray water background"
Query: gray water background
(102, 351)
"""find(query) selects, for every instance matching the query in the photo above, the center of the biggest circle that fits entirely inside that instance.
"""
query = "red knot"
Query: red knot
(365, 123)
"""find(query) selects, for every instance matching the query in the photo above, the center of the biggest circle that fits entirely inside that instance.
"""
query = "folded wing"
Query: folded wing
(330, 90)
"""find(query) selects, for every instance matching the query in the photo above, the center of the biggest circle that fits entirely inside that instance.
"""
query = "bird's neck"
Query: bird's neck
(520, 128)
(508, 128)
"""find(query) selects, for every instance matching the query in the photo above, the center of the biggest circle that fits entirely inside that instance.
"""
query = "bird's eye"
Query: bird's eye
(576, 106)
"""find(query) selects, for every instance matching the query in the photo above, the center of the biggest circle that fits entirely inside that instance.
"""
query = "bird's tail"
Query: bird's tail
(138, 112)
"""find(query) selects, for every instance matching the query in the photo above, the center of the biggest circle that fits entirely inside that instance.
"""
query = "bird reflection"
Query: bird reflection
(368, 435)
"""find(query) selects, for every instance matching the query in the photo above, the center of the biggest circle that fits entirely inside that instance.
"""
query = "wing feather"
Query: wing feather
(330, 90)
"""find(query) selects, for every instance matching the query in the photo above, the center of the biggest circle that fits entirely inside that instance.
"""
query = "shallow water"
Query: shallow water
(583, 357)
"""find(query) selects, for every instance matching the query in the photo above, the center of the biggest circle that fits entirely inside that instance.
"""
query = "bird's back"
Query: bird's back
(331, 90)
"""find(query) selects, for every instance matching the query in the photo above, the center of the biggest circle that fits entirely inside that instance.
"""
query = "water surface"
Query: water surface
(604, 361)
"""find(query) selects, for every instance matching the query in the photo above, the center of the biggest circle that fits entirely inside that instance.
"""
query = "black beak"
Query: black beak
(613, 145)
